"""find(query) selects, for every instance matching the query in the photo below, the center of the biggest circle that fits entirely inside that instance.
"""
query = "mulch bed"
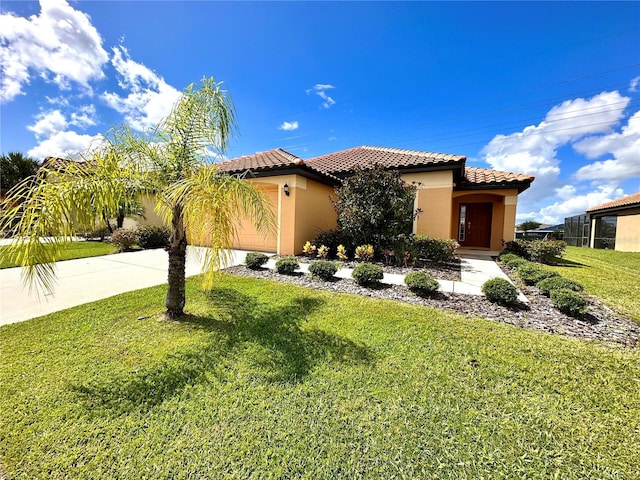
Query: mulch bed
(600, 324)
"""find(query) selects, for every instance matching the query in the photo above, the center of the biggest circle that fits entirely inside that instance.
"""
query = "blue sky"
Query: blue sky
(548, 89)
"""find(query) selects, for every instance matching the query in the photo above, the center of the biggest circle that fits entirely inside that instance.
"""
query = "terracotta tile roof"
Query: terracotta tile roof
(476, 175)
(366, 157)
(271, 159)
(624, 202)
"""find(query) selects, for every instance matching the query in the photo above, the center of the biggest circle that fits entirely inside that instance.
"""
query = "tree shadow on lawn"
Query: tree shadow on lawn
(267, 341)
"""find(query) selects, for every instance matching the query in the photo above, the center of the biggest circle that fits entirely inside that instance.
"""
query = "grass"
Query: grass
(612, 276)
(69, 252)
(264, 380)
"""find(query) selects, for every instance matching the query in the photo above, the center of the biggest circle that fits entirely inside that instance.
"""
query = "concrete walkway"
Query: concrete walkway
(88, 279)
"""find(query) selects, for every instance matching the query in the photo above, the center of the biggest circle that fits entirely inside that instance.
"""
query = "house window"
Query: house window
(463, 221)
(605, 234)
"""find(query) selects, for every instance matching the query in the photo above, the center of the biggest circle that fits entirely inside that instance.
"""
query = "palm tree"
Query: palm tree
(197, 201)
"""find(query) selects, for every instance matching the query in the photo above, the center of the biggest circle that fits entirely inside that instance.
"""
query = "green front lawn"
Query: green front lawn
(266, 380)
(612, 276)
(69, 252)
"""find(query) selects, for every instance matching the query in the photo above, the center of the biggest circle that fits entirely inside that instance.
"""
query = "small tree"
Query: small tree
(14, 168)
(375, 206)
(528, 225)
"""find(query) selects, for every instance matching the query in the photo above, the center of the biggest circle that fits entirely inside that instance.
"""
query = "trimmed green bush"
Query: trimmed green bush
(323, 269)
(569, 302)
(500, 291)
(287, 265)
(255, 260)
(545, 251)
(517, 247)
(505, 257)
(152, 236)
(555, 283)
(516, 262)
(421, 283)
(333, 238)
(531, 273)
(436, 250)
(124, 239)
(367, 274)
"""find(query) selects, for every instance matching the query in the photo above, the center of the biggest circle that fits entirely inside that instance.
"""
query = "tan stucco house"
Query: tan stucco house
(616, 224)
(475, 206)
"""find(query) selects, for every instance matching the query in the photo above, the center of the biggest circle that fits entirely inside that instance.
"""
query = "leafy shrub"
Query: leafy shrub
(323, 269)
(323, 252)
(436, 250)
(364, 253)
(545, 251)
(309, 249)
(255, 260)
(532, 273)
(421, 283)
(500, 291)
(555, 283)
(517, 247)
(506, 257)
(569, 302)
(333, 238)
(367, 274)
(124, 239)
(97, 234)
(374, 206)
(287, 265)
(152, 236)
(516, 262)
(342, 252)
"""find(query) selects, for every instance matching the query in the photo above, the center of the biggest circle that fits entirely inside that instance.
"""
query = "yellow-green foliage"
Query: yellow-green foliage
(364, 253)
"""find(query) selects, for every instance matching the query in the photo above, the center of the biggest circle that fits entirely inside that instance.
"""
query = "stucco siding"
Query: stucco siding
(628, 231)
(433, 198)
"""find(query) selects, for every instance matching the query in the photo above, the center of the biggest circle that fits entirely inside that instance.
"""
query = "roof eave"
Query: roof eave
(521, 186)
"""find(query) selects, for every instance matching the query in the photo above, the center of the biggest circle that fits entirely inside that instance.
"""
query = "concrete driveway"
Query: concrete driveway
(88, 279)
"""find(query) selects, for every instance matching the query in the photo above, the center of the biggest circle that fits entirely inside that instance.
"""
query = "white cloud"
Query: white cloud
(534, 149)
(67, 144)
(633, 84)
(150, 99)
(60, 45)
(571, 203)
(320, 90)
(288, 126)
(48, 123)
(623, 146)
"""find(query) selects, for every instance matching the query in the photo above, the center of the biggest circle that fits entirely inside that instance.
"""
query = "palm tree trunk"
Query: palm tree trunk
(175, 299)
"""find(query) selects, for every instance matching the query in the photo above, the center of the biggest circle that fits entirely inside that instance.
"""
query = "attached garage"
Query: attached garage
(249, 238)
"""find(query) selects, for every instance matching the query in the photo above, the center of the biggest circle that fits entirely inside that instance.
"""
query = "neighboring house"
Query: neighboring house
(543, 232)
(475, 206)
(616, 224)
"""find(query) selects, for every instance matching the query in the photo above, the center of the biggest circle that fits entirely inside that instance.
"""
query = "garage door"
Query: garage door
(249, 238)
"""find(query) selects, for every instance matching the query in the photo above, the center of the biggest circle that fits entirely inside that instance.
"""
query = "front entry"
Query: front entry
(474, 228)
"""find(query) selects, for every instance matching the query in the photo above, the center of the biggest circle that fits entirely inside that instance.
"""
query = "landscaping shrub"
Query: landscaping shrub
(333, 238)
(545, 251)
(555, 283)
(500, 291)
(532, 273)
(569, 302)
(124, 239)
(364, 253)
(323, 269)
(517, 247)
(367, 274)
(255, 260)
(287, 265)
(98, 234)
(421, 283)
(309, 249)
(436, 250)
(152, 236)
(342, 252)
(506, 257)
(516, 262)
(323, 252)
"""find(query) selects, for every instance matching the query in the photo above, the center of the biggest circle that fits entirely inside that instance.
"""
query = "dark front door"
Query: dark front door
(475, 224)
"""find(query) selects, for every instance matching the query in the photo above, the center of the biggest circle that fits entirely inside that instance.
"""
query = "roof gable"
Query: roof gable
(344, 162)
(479, 178)
(625, 202)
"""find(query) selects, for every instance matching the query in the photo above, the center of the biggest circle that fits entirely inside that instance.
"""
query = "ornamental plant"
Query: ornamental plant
(323, 269)
(124, 239)
(323, 252)
(309, 249)
(364, 253)
(569, 302)
(342, 253)
(367, 274)
(287, 265)
(152, 236)
(500, 291)
(255, 260)
(421, 283)
(547, 285)
(532, 273)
